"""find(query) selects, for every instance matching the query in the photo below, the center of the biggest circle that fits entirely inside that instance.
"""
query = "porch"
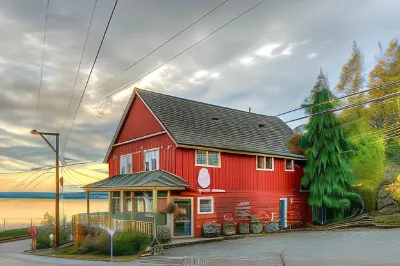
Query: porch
(136, 201)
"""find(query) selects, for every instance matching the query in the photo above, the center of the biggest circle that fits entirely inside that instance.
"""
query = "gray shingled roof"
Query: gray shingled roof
(200, 124)
(157, 178)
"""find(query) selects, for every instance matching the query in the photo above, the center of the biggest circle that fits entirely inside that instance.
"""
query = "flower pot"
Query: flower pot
(211, 229)
(256, 227)
(271, 227)
(229, 228)
(244, 228)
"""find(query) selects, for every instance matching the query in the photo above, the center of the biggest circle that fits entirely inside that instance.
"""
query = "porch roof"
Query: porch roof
(142, 180)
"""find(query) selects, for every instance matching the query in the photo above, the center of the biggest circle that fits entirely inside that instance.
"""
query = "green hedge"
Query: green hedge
(124, 243)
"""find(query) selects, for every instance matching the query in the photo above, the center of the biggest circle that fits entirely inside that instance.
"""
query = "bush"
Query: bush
(388, 219)
(163, 233)
(129, 243)
(43, 240)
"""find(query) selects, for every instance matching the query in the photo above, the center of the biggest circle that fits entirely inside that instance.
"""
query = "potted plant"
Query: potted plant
(256, 225)
(211, 229)
(244, 228)
(229, 228)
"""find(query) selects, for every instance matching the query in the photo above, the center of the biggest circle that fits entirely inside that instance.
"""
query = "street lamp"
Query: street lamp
(56, 150)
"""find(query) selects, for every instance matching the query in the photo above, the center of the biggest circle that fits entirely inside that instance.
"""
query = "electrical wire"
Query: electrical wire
(37, 184)
(41, 70)
(72, 178)
(98, 179)
(388, 96)
(164, 43)
(185, 50)
(24, 180)
(383, 86)
(91, 70)
(36, 178)
(80, 63)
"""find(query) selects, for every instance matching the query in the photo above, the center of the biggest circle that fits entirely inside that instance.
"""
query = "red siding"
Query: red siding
(139, 122)
(238, 172)
(166, 153)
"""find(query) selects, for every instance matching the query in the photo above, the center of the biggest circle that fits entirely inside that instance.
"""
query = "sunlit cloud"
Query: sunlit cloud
(312, 55)
(200, 74)
(246, 60)
(287, 51)
(266, 51)
(215, 75)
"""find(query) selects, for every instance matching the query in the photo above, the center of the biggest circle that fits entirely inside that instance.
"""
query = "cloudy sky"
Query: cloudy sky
(268, 60)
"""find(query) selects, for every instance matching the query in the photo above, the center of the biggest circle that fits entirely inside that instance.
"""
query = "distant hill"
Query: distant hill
(51, 195)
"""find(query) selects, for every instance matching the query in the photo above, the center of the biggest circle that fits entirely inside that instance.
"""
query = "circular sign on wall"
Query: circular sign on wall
(204, 179)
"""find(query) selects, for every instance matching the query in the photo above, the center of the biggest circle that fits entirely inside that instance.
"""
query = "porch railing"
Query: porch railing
(101, 220)
(132, 225)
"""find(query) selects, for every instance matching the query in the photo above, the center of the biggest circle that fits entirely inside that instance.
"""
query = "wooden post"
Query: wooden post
(87, 207)
(110, 209)
(133, 204)
(155, 203)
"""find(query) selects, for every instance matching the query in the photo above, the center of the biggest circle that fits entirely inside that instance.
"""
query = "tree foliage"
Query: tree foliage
(327, 171)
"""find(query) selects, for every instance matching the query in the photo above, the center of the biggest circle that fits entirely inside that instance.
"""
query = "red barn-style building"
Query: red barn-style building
(215, 163)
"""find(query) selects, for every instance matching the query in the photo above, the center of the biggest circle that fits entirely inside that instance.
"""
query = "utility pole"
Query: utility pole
(57, 229)
(57, 151)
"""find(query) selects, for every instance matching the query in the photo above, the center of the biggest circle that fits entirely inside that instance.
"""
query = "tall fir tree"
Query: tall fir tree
(327, 173)
(368, 156)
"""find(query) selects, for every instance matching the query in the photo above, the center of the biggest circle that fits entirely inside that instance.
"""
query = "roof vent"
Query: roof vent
(214, 118)
(261, 125)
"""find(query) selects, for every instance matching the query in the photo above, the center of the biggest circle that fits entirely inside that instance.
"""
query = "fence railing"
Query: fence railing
(101, 220)
(18, 223)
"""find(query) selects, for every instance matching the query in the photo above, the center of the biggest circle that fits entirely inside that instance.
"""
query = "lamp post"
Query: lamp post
(56, 150)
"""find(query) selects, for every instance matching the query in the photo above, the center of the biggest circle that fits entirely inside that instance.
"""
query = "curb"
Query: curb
(12, 239)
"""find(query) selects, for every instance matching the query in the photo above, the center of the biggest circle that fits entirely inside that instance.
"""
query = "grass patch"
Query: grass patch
(388, 219)
(14, 233)
(70, 253)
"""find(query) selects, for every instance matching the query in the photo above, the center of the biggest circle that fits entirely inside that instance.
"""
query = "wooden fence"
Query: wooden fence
(101, 220)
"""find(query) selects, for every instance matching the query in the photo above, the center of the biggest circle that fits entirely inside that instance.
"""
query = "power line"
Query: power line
(36, 178)
(80, 62)
(41, 71)
(91, 70)
(347, 106)
(185, 50)
(383, 86)
(79, 173)
(72, 178)
(37, 184)
(166, 42)
(24, 180)
(45, 168)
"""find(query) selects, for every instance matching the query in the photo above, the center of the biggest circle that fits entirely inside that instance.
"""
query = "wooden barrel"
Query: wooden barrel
(80, 232)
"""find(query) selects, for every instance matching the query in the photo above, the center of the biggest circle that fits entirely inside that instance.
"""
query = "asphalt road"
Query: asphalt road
(366, 247)
(363, 247)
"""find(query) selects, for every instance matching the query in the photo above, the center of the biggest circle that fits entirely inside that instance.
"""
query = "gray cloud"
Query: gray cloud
(269, 84)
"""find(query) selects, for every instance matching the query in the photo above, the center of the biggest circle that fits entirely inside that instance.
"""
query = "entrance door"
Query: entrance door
(183, 217)
(283, 213)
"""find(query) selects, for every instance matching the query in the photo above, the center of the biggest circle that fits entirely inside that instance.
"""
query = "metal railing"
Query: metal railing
(18, 223)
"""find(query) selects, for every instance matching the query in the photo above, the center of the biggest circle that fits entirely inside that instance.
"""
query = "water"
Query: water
(18, 213)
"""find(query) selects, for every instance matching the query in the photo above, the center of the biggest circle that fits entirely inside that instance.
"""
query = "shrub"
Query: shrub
(43, 240)
(102, 243)
(129, 243)
(163, 233)
(87, 245)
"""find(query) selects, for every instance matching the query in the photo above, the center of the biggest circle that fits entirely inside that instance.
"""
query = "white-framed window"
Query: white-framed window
(125, 164)
(151, 160)
(265, 163)
(205, 205)
(289, 165)
(208, 158)
(144, 201)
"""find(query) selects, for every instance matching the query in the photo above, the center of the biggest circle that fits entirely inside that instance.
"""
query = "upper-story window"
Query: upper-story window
(208, 158)
(151, 160)
(125, 164)
(265, 163)
(289, 165)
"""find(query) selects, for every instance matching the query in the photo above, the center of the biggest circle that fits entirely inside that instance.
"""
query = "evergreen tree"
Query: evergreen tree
(327, 172)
